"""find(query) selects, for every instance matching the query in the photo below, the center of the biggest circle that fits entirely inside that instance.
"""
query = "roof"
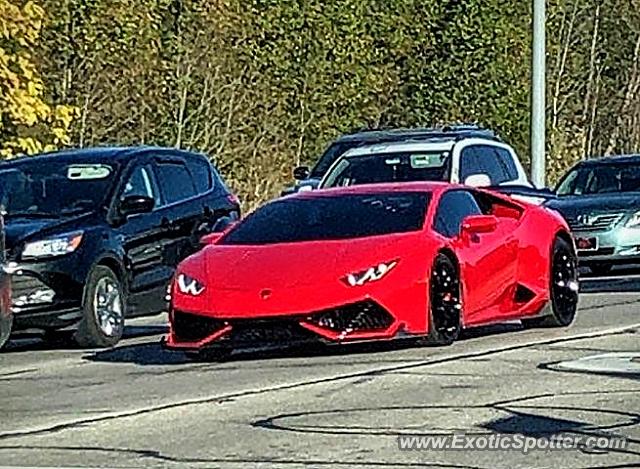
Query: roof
(420, 186)
(617, 159)
(455, 132)
(103, 154)
(383, 149)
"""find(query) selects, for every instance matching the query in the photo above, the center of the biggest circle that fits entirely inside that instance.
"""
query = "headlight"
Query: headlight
(634, 221)
(55, 246)
(189, 286)
(372, 274)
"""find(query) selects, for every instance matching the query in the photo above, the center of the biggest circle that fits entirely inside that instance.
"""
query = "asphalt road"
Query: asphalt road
(140, 406)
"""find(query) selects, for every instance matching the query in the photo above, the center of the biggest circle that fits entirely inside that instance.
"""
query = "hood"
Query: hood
(573, 205)
(20, 229)
(290, 266)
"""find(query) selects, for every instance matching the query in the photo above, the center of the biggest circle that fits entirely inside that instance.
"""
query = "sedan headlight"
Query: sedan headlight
(372, 274)
(634, 221)
(54, 246)
(189, 286)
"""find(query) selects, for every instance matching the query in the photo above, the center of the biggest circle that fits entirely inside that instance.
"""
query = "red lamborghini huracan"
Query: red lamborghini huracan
(374, 262)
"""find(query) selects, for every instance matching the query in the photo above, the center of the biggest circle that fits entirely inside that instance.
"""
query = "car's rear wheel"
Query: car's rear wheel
(600, 269)
(103, 310)
(6, 324)
(445, 303)
(563, 288)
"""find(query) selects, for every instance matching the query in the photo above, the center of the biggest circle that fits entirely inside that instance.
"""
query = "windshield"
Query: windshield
(53, 188)
(335, 151)
(389, 167)
(600, 179)
(331, 217)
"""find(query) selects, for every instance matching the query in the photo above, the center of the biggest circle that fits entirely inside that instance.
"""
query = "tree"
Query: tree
(28, 124)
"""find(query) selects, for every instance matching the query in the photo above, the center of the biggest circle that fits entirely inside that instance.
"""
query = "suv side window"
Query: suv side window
(140, 183)
(469, 163)
(453, 208)
(175, 181)
(201, 172)
(497, 163)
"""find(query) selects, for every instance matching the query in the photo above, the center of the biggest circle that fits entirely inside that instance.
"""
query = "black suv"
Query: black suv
(308, 179)
(94, 235)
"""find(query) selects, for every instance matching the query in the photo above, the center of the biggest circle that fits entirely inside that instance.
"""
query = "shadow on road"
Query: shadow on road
(152, 353)
(64, 340)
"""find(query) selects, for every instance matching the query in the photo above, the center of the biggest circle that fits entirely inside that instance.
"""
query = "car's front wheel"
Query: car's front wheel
(103, 310)
(445, 303)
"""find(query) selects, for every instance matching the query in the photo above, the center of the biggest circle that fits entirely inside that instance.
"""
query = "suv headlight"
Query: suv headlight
(54, 246)
(189, 285)
(634, 221)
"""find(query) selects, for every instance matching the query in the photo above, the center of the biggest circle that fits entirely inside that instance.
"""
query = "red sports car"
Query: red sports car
(374, 262)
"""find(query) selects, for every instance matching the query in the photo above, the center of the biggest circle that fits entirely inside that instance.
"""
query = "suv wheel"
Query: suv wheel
(103, 310)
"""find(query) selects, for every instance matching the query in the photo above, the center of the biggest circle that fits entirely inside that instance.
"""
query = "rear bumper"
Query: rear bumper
(364, 320)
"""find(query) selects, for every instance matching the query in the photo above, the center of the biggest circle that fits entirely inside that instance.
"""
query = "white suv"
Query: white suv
(475, 162)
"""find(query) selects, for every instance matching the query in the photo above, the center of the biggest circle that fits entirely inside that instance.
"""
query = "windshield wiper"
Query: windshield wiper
(28, 214)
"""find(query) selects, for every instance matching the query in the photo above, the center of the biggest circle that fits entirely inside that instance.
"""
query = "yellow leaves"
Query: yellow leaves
(31, 125)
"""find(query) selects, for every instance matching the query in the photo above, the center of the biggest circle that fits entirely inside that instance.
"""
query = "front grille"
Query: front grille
(361, 316)
(192, 327)
(29, 290)
(599, 252)
(594, 222)
(267, 331)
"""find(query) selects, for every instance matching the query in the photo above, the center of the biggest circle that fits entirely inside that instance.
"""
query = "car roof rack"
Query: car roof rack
(445, 132)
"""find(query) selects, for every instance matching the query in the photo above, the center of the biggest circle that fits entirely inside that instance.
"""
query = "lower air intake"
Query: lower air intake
(188, 327)
(361, 316)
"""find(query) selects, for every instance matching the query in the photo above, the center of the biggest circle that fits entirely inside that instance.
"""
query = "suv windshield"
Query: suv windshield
(600, 179)
(53, 188)
(335, 151)
(331, 218)
(389, 167)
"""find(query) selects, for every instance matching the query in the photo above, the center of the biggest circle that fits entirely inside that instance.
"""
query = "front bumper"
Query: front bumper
(363, 320)
(616, 246)
(46, 294)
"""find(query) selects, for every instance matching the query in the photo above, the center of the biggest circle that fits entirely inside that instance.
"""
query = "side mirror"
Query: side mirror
(134, 204)
(476, 224)
(301, 172)
(478, 180)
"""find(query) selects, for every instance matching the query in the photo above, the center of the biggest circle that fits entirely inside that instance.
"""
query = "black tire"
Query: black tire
(600, 269)
(6, 324)
(102, 325)
(563, 288)
(217, 354)
(445, 306)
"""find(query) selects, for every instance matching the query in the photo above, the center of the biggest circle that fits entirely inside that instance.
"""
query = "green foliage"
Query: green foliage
(263, 85)
(28, 123)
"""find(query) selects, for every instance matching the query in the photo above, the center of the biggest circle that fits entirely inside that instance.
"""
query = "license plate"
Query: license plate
(587, 244)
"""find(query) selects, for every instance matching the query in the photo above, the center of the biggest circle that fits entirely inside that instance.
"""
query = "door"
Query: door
(488, 261)
(182, 213)
(143, 240)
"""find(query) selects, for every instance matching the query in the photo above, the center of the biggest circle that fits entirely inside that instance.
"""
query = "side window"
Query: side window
(201, 172)
(175, 182)
(453, 208)
(469, 163)
(140, 183)
(505, 157)
(497, 163)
